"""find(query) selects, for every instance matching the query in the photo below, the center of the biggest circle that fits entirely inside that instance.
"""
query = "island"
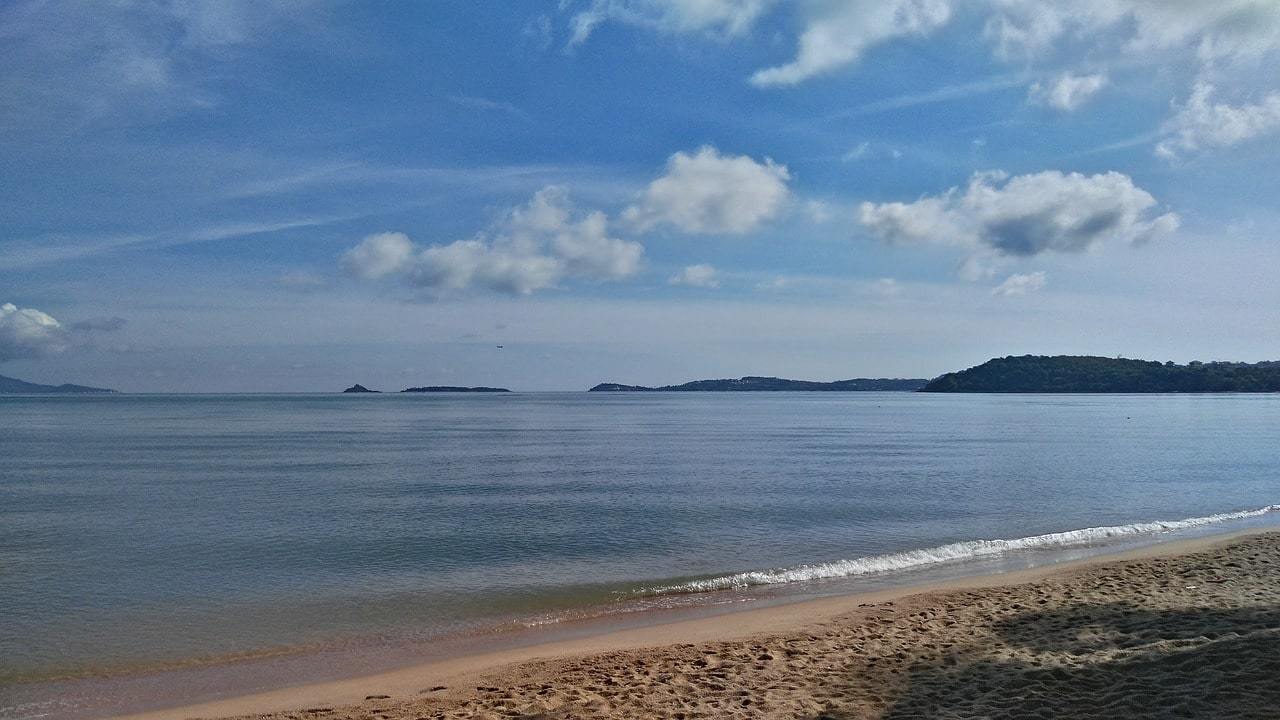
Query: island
(454, 389)
(773, 384)
(1090, 374)
(358, 388)
(14, 386)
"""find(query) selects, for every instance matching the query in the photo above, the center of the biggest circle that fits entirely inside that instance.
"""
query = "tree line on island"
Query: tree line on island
(1090, 374)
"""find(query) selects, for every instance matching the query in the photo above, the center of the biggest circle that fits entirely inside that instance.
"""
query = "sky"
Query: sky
(276, 195)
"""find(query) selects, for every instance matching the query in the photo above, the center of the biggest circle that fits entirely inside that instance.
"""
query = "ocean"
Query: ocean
(149, 534)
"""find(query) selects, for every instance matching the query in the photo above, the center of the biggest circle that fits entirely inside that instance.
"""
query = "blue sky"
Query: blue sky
(256, 196)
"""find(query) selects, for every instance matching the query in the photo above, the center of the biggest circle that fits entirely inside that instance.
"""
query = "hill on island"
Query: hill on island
(15, 386)
(454, 389)
(765, 384)
(1090, 374)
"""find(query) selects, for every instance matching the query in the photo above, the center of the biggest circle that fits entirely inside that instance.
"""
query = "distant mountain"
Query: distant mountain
(358, 388)
(766, 384)
(13, 385)
(1088, 374)
(453, 389)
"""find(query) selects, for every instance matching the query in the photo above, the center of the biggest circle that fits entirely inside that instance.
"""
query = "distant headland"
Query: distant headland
(1090, 374)
(358, 388)
(767, 384)
(15, 386)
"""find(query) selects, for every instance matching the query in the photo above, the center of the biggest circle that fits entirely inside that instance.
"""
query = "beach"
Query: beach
(1182, 629)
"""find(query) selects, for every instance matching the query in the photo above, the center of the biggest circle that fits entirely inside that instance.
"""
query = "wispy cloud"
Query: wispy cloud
(472, 102)
(939, 95)
(32, 253)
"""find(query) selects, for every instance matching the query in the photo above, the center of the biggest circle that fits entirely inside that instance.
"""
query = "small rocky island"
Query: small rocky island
(358, 388)
(16, 386)
(1091, 374)
(773, 384)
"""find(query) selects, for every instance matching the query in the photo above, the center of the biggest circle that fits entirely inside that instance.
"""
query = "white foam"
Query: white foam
(954, 552)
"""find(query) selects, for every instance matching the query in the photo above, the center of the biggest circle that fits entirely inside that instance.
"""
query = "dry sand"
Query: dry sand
(1189, 630)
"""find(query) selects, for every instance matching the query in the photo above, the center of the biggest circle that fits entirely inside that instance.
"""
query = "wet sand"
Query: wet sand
(1184, 629)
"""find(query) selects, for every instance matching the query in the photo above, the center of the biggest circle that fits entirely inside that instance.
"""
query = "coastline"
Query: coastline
(461, 676)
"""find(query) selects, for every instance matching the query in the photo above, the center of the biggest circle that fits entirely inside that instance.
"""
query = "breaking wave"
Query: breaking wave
(969, 550)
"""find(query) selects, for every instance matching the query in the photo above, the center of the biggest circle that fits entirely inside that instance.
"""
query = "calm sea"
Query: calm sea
(139, 532)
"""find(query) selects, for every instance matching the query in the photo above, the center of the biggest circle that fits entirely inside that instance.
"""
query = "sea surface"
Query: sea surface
(140, 533)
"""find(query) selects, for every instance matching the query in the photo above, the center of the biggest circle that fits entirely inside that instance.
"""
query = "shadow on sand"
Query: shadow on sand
(1103, 661)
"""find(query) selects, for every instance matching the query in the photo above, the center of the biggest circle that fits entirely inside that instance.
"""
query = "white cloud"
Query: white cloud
(1021, 284)
(777, 284)
(1219, 29)
(1068, 92)
(1024, 216)
(700, 276)
(712, 193)
(29, 333)
(535, 247)
(379, 255)
(722, 17)
(838, 33)
(1201, 124)
(465, 264)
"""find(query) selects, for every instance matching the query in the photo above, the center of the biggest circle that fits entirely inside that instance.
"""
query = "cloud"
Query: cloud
(94, 61)
(699, 276)
(29, 333)
(1024, 216)
(719, 17)
(535, 247)
(467, 264)
(1201, 124)
(474, 102)
(1215, 30)
(379, 255)
(100, 324)
(711, 193)
(1067, 92)
(837, 34)
(1021, 284)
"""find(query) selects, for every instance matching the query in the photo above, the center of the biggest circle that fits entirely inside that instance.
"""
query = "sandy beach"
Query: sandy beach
(1185, 629)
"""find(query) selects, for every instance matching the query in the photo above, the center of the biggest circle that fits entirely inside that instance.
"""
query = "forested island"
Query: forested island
(753, 383)
(16, 386)
(1089, 374)
(454, 389)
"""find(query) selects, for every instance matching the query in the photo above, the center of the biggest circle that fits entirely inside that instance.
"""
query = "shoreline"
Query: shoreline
(457, 676)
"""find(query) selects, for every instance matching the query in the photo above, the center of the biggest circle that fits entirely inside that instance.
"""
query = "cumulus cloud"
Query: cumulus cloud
(837, 34)
(700, 276)
(475, 263)
(1024, 216)
(535, 247)
(29, 333)
(1067, 92)
(721, 17)
(379, 255)
(707, 192)
(1021, 284)
(1202, 124)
